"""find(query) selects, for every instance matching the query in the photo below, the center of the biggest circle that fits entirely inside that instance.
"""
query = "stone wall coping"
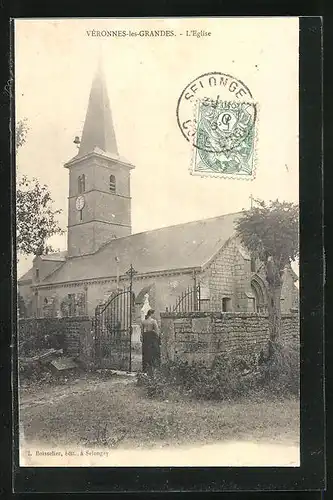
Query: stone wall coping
(219, 315)
(65, 319)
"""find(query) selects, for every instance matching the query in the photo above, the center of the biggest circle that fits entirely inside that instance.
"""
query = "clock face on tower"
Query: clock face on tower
(80, 201)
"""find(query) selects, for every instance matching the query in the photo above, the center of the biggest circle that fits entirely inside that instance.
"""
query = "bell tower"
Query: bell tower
(99, 202)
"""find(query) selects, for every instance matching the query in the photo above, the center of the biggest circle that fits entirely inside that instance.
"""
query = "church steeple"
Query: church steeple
(98, 130)
(99, 202)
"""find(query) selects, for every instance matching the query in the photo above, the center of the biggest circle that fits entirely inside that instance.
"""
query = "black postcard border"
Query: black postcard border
(311, 474)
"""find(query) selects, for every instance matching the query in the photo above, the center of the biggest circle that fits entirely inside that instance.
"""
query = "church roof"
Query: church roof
(98, 130)
(27, 277)
(178, 247)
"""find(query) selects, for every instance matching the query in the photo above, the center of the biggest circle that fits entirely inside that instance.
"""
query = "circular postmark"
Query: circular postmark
(216, 112)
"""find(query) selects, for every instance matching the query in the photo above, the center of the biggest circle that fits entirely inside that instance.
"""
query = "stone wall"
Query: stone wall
(229, 276)
(201, 336)
(73, 335)
(220, 277)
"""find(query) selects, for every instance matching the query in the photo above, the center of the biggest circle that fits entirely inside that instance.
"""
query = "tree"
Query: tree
(21, 133)
(270, 232)
(36, 219)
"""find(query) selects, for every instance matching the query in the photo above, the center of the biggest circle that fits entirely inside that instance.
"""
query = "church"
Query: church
(101, 247)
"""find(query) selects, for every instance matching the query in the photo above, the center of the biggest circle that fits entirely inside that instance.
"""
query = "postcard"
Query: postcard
(157, 166)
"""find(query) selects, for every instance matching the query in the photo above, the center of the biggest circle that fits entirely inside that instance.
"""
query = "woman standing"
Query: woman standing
(150, 343)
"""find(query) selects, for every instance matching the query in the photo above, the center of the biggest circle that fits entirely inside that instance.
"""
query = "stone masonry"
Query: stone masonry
(201, 336)
(229, 276)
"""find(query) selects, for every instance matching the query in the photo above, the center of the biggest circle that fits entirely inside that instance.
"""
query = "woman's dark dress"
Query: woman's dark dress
(150, 345)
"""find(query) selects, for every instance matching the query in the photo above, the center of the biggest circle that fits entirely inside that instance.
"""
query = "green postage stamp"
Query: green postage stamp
(217, 115)
(225, 139)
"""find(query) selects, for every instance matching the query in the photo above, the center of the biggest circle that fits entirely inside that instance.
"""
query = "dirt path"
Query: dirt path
(54, 393)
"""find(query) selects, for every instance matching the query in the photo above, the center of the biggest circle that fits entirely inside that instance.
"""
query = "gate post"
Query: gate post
(195, 291)
(131, 272)
(97, 334)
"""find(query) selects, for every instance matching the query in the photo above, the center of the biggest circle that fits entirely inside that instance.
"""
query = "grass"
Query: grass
(115, 412)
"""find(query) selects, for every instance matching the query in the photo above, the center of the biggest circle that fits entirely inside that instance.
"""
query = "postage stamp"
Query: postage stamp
(225, 138)
(217, 115)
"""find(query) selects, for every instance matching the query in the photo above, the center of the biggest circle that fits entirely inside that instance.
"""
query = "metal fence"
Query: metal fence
(188, 301)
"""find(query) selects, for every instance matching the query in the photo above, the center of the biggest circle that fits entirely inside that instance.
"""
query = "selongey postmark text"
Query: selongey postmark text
(217, 114)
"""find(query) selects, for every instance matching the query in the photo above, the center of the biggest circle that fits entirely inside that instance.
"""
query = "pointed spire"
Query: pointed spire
(98, 130)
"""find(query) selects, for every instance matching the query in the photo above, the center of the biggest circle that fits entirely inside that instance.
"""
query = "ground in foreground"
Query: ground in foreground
(114, 414)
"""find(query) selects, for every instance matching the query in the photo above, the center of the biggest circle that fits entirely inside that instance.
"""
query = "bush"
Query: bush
(279, 370)
(227, 378)
(232, 376)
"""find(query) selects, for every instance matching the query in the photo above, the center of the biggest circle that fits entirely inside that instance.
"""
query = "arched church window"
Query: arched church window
(255, 299)
(112, 183)
(81, 183)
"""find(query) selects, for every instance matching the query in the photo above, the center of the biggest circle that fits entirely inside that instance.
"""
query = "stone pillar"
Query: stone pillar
(87, 343)
(167, 339)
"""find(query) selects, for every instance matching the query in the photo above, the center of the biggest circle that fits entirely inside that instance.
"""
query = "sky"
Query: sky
(55, 61)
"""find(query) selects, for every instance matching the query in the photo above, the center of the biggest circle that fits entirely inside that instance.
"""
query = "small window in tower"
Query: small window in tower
(37, 274)
(81, 215)
(81, 181)
(253, 265)
(112, 183)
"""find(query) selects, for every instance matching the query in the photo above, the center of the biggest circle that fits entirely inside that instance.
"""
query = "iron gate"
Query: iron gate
(113, 332)
(189, 300)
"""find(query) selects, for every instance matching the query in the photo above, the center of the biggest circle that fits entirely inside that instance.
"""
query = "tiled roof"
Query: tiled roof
(182, 246)
(27, 276)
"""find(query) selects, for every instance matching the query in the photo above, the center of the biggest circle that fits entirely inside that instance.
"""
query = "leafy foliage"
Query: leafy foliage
(36, 218)
(270, 230)
(279, 372)
(21, 133)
